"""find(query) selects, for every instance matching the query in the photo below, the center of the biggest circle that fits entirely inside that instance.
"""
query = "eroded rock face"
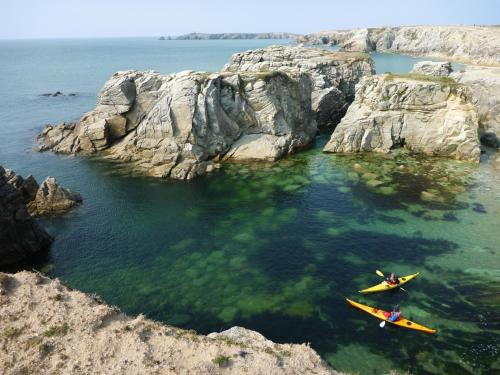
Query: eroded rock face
(21, 238)
(51, 198)
(177, 125)
(69, 332)
(469, 44)
(433, 68)
(484, 82)
(334, 74)
(433, 116)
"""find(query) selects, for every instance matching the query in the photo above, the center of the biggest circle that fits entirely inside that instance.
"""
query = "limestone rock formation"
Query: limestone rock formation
(48, 328)
(484, 82)
(433, 68)
(468, 44)
(177, 125)
(51, 198)
(21, 238)
(428, 115)
(204, 36)
(334, 74)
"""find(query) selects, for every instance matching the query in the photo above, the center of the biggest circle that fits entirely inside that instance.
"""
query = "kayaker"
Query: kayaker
(395, 314)
(392, 279)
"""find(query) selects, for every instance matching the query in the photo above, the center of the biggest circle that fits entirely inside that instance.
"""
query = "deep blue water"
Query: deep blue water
(276, 247)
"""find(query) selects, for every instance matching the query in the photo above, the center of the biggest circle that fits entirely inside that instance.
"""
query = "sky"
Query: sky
(113, 18)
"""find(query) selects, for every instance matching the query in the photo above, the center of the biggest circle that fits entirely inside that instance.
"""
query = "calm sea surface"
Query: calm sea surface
(276, 247)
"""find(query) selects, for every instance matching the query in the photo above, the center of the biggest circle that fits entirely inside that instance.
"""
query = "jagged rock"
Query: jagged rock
(469, 44)
(334, 74)
(484, 82)
(175, 125)
(21, 238)
(433, 68)
(50, 198)
(59, 330)
(428, 115)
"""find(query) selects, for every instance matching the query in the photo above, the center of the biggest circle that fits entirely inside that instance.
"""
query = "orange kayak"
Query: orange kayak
(382, 315)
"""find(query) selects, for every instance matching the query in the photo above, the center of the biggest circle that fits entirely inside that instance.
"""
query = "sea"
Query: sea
(271, 247)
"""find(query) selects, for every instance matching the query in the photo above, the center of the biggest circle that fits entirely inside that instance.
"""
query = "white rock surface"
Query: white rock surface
(433, 68)
(432, 116)
(175, 125)
(484, 82)
(468, 44)
(334, 74)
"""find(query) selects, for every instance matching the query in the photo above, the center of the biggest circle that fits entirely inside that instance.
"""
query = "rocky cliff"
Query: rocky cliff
(180, 125)
(428, 115)
(334, 75)
(484, 83)
(21, 238)
(177, 125)
(468, 44)
(49, 328)
(204, 36)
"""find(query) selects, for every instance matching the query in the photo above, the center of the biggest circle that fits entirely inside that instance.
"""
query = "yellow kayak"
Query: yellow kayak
(383, 286)
(383, 315)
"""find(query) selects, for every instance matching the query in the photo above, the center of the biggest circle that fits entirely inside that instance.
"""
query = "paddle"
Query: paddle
(382, 275)
(382, 324)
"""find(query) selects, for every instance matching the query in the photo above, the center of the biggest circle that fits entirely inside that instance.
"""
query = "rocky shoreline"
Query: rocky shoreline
(233, 36)
(461, 43)
(181, 125)
(72, 332)
(21, 200)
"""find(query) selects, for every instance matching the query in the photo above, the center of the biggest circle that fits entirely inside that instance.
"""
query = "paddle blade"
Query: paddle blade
(382, 324)
(379, 273)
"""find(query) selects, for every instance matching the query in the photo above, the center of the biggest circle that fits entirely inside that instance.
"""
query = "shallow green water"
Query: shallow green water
(276, 247)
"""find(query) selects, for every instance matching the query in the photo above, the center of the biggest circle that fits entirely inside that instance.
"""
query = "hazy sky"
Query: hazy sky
(100, 18)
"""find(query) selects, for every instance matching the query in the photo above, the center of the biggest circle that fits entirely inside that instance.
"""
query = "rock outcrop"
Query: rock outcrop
(334, 74)
(484, 82)
(204, 36)
(52, 199)
(178, 125)
(428, 115)
(49, 328)
(21, 238)
(433, 68)
(468, 44)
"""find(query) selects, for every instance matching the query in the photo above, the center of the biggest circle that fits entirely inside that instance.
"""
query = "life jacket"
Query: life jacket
(394, 316)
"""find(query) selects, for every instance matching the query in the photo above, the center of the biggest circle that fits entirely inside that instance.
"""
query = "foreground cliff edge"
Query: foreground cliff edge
(47, 328)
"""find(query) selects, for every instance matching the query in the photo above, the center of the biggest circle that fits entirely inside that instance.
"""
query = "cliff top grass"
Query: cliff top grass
(420, 77)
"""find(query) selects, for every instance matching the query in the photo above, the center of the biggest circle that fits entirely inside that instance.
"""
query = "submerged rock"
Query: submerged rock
(21, 238)
(67, 331)
(51, 198)
(176, 125)
(334, 74)
(484, 83)
(427, 115)
(433, 68)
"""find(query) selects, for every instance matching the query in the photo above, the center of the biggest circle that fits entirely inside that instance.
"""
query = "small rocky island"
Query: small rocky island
(21, 200)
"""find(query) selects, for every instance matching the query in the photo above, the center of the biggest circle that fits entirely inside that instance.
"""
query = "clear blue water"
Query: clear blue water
(272, 247)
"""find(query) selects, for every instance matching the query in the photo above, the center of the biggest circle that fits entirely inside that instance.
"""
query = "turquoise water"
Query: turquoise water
(272, 247)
